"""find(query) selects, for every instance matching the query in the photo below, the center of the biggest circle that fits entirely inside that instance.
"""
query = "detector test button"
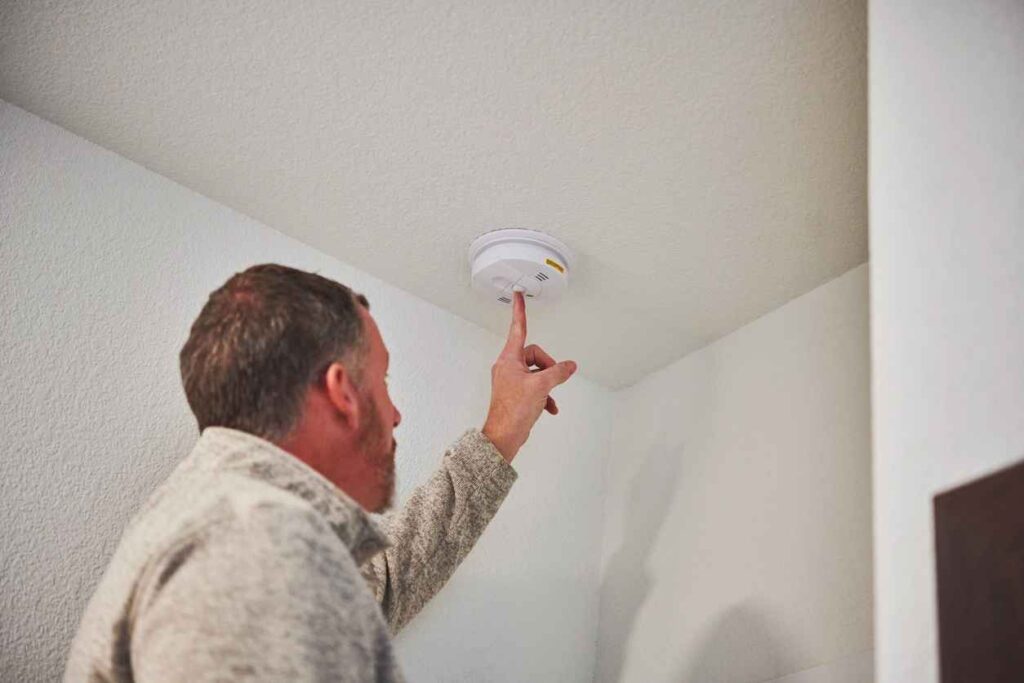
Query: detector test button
(500, 282)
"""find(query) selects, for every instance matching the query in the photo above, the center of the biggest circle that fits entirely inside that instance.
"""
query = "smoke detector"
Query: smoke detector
(517, 260)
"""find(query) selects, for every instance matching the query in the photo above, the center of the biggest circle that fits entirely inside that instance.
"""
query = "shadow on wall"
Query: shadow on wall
(627, 580)
(741, 646)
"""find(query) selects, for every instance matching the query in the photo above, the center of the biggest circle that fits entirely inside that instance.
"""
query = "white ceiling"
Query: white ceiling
(705, 160)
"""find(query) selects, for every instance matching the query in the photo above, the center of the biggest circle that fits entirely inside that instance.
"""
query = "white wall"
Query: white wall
(105, 265)
(737, 543)
(947, 279)
(738, 535)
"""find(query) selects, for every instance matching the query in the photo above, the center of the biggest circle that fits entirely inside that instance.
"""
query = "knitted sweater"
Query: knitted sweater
(246, 564)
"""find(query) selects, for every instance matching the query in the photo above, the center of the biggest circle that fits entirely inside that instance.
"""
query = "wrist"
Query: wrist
(504, 445)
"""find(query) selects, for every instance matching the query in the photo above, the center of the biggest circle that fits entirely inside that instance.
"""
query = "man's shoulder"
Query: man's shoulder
(239, 522)
(249, 510)
(219, 506)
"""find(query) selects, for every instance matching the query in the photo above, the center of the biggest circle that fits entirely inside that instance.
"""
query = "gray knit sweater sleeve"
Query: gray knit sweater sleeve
(435, 530)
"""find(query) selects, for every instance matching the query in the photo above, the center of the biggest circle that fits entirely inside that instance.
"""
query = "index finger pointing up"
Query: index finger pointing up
(517, 331)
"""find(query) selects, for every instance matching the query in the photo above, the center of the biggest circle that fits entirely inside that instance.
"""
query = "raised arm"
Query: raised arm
(435, 530)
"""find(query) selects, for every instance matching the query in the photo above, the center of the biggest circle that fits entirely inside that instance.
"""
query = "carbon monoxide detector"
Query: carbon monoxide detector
(515, 259)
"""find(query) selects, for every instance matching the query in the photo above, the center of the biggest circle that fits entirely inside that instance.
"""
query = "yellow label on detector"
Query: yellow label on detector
(554, 264)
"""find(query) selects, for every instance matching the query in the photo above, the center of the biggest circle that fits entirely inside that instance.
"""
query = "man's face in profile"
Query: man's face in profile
(376, 437)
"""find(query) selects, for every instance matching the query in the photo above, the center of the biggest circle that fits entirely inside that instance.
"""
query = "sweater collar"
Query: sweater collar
(243, 453)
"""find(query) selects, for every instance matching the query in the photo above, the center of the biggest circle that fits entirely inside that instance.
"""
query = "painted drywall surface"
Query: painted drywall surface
(857, 668)
(705, 160)
(105, 266)
(738, 524)
(947, 281)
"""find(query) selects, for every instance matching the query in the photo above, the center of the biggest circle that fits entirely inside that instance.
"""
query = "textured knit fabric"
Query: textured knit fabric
(246, 564)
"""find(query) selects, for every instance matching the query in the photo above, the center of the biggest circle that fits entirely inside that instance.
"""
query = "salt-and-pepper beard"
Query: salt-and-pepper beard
(380, 458)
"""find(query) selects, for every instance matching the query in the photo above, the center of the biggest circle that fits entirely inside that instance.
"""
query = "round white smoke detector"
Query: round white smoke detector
(505, 261)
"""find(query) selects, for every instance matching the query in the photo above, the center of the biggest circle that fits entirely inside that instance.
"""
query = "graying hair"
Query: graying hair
(260, 341)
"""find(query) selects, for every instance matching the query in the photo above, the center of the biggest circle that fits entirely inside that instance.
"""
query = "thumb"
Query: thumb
(558, 373)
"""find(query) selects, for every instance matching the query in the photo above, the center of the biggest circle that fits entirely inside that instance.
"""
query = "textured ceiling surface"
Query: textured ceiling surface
(705, 160)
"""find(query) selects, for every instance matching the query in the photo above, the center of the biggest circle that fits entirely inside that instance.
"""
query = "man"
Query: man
(258, 559)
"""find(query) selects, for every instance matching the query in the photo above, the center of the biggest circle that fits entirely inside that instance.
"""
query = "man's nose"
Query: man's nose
(398, 417)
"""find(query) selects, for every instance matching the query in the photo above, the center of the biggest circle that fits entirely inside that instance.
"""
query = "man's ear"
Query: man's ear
(342, 393)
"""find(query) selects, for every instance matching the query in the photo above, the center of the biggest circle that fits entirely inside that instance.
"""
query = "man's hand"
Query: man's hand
(518, 394)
